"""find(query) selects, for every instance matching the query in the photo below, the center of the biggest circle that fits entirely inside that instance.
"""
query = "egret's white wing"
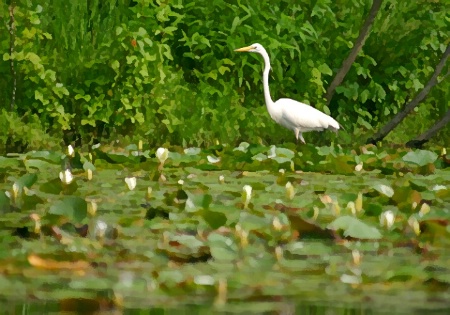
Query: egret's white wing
(298, 115)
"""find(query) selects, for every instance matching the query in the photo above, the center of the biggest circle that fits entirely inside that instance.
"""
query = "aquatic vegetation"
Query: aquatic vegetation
(256, 223)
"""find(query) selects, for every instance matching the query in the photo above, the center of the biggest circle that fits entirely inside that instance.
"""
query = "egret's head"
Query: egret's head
(258, 48)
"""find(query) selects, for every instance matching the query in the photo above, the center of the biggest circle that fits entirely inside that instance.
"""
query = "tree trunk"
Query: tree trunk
(427, 135)
(411, 105)
(363, 32)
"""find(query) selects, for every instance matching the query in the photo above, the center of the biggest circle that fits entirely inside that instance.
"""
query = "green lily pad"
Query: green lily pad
(8, 163)
(27, 180)
(384, 189)
(49, 156)
(420, 157)
(72, 207)
(355, 228)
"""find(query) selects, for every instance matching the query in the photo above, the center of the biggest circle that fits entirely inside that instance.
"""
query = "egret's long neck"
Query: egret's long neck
(267, 97)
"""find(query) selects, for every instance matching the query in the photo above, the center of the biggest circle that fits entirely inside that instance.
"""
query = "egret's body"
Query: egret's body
(291, 114)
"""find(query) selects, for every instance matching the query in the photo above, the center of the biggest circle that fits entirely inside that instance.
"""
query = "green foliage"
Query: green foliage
(26, 132)
(167, 73)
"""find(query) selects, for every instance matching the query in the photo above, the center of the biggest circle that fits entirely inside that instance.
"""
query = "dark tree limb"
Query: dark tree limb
(363, 33)
(12, 36)
(383, 132)
(427, 135)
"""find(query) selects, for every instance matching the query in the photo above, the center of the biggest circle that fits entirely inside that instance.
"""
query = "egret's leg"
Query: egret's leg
(301, 138)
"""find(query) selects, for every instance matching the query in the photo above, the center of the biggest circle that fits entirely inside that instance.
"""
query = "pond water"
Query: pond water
(234, 231)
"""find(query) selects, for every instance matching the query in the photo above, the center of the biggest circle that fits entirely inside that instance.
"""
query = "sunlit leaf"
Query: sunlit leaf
(384, 189)
(355, 228)
(420, 157)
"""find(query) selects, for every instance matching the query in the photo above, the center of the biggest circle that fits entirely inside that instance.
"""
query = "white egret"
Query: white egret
(291, 114)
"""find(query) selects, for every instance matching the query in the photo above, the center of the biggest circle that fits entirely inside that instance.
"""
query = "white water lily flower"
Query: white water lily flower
(247, 194)
(277, 226)
(213, 159)
(335, 209)
(190, 206)
(70, 151)
(290, 191)
(162, 154)
(414, 224)
(131, 182)
(359, 202)
(100, 228)
(149, 192)
(66, 176)
(242, 234)
(424, 209)
(316, 213)
(221, 179)
(204, 280)
(272, 152)
(351, 207)
(387, 219)
(15, 189)
(279, 253)
(438, 187)
(89, 174)
(181, 182)
(350, 279)
(92, 207)
(356, 255)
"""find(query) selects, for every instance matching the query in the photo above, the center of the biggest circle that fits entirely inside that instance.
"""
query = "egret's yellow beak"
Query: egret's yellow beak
(243, 49)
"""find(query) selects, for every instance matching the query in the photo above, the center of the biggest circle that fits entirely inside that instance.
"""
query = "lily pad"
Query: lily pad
(72, 207)
(420, 157)
(355, 228)
(27, 180)
(384, 189)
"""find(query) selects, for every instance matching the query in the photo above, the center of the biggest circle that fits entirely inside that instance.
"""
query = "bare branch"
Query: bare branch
(411, 105)
(363, 33)
(427, 135)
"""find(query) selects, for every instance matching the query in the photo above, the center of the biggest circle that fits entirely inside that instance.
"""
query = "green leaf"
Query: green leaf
(8, 163)
(235, 23)
(222, 247)
(420, 157)
(325, 69)
(214, 219)
(223, 69)
(384, 189)
(37, 164)
(88, 166)
(355, 228)
(27, 180)
(72, 207)
(364, 96)
(4, 201)
(34, 58)
(417, 85)
(170, 29)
